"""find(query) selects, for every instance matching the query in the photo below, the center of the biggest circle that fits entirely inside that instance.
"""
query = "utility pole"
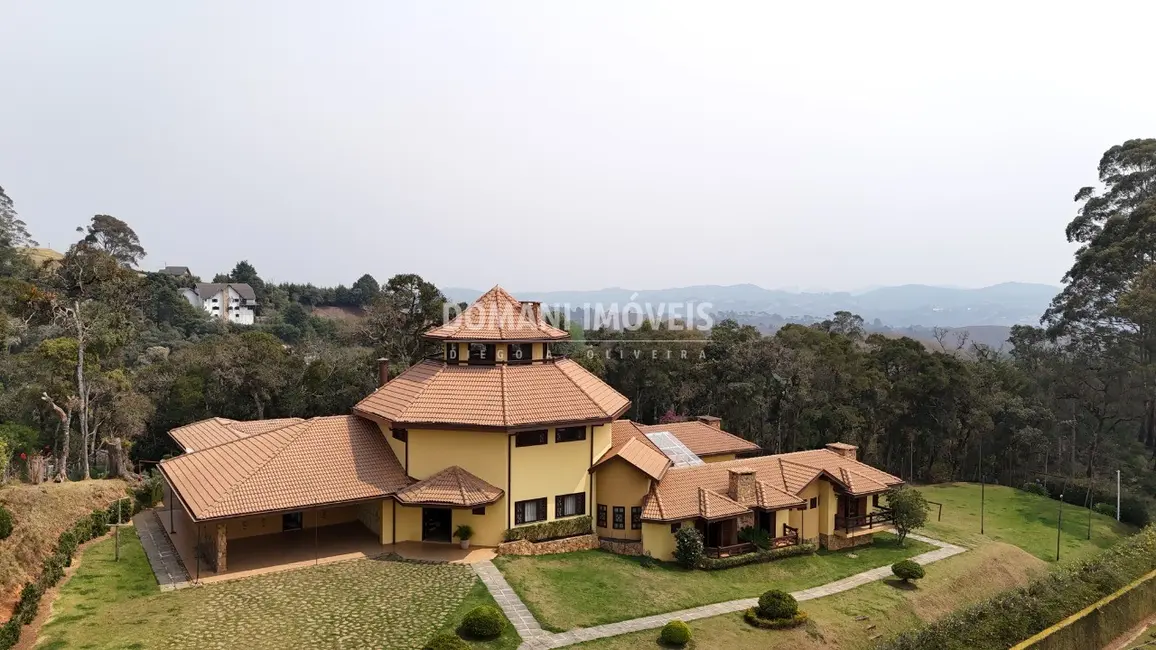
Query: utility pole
(1059, 526)
(982, 500)
(1117, 495)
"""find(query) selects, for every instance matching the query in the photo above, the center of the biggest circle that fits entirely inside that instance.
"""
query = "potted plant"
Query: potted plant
(464, 533)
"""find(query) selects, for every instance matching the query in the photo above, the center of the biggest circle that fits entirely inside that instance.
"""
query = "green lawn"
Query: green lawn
(356, 604)
(595, 587)
(1016, 517)
(850, 619)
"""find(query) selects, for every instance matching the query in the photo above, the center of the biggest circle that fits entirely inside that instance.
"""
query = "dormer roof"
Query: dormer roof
(498, 316)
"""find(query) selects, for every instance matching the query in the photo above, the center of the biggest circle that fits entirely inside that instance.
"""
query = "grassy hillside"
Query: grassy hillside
(41, 513)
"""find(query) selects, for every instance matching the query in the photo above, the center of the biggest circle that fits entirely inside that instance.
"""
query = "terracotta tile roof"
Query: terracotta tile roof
(452, 486)
(712, 505)
(320, 461)
(498, 316)
(649, 460)
(702, 438)
(215, 431)
(499, 396)
(779, 480)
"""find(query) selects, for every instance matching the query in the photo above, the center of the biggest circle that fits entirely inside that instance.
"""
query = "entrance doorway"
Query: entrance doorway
(436, 524)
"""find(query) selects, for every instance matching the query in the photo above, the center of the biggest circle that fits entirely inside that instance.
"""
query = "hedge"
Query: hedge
(752, 617)
(550, 530)
(50, 573)
(1012, 616)
(1133, 509)
(712, 564)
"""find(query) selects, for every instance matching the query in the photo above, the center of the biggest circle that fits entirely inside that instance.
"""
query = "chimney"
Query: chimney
(382, 372)
(845, 450)
(742, 485)
(711, 420)
(533, 310)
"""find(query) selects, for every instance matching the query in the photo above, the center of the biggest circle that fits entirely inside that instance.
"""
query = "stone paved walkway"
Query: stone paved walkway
(535, 638)
(166, 564)
(515, 610)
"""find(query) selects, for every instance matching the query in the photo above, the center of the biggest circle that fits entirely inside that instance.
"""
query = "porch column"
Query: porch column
(222, 548)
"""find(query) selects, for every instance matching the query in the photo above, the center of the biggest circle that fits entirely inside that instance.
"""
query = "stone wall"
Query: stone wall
(566, 545)
(836, 543)
(621, 546)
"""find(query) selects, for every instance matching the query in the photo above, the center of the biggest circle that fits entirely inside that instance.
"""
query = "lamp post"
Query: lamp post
(1059, 525)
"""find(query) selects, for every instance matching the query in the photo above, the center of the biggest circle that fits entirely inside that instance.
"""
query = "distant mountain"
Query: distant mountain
(905, 306)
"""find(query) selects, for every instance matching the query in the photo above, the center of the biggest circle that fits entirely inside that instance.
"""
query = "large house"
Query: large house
(497, 433)
(234, 302)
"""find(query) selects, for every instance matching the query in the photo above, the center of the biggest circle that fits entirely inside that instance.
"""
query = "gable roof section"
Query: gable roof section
(452, 486)
(712, 505)
(779, 479)
(206, 289)
(498, 396)
(216, 431)
(648, 460)
(702, 438)
(498, 316)
(317, 462)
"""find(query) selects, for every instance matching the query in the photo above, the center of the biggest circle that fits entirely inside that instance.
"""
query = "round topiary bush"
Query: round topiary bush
(907, 570)
(483, 622)
(776, 604)
(446, 641)
(675, 633)
(5, 523)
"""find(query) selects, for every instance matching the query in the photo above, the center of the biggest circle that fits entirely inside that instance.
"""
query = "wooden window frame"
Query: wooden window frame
(480, 510)
(522, 439)
(527, 347)
(569, 431)
(813, 503)
(400, 434)
(635, 517)
(490, 349)
(619, 518)
(560, 500)
(674, 528)
(602, 519)
(520, 511)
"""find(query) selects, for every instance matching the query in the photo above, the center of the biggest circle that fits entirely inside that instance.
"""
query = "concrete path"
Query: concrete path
(535, 638)
(166, 564)
(515, 610)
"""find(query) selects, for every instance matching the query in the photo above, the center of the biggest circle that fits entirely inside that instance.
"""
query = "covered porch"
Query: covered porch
(721, 539)
(858, 516)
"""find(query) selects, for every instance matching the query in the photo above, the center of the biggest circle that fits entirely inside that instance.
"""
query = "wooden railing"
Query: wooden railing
(790, 537)
(881, 517)
(727, 551)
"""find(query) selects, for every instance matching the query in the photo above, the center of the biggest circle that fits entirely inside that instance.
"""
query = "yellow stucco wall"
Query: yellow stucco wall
(658, 541)
(717, 458)
(387, 506)
(618, 483)
(488, 528)
(481, 453)
(549, 470)
(602, 439)
(396, 445)
(807, 521)
(268, 524)
(827, 507)
(408, 523)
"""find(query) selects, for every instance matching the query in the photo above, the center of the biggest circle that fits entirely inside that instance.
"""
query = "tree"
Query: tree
(13, 234)
(114, 237)
(365, 290)
(909, 509)
(397, 319)
(688, 547)
(907, 570)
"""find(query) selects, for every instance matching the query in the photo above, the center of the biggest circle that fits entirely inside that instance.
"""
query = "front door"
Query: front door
(435, 524)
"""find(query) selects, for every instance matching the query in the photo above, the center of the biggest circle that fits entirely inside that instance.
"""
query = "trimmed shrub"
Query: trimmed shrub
(99, 523)
(570, 527)
(907, 570)
(688, 547)
(446, 641)
(9, 634)
(757, 536)
(82, 531)
(1106, 509)
(122, 508)
(1035, 488)
(712, 564)
(28, 604)
(52, 570)
(675, 633)
(6, 523)
(752, 616)
(483, 622)
(777, 604)
(66, 544)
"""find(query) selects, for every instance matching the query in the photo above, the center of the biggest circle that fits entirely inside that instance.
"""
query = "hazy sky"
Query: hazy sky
(574, 145)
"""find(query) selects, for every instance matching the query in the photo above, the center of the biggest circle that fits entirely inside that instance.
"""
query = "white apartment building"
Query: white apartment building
(232, 302)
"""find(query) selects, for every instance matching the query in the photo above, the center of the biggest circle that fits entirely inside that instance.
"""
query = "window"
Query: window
(635, 517)
(530, 438)
(569, 434)
(451, 351)
(619, 518)
(479, 511)
(520, 353)
(482, 352)
(400, 434)
(569, 505)
(875, 500)
(527, 512)
(601, 516)
(814, 502)
(214, 300)
(674, 528)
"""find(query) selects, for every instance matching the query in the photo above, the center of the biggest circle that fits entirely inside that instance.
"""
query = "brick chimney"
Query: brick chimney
(845, 450)
(742, 485)
(711, 420)
(382, 371)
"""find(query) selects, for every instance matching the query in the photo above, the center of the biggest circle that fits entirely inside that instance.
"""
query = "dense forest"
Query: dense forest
(100, 359)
